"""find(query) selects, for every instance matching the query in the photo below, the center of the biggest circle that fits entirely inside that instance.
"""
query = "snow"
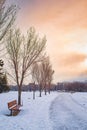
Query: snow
(57, 111)
(34, 114)
(69, 111)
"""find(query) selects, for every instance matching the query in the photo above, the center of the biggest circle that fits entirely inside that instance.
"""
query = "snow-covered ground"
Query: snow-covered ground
(34, 114)
(57, 111)
(69, 111)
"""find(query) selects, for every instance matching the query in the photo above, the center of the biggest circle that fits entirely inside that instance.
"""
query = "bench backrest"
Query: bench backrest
(12, 103)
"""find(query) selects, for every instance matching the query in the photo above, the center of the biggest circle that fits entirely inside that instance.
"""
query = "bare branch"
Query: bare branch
(7, 17)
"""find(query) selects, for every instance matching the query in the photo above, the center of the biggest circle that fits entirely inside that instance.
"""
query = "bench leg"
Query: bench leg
(11, 113)
(14, 112)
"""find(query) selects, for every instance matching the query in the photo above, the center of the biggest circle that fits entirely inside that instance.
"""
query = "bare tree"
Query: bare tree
(23, 52)
(7, 17)
(42, 73)
(47, 74)
(50, 78)
(33, 73)
(36, 75)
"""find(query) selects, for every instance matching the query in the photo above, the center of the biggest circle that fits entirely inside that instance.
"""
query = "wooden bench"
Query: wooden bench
(13, 107)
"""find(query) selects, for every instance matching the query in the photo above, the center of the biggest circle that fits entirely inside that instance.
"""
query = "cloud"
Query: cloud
(72, 59)
(70, 66)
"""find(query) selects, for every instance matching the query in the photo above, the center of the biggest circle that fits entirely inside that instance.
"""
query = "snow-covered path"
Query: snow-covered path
(68, 113)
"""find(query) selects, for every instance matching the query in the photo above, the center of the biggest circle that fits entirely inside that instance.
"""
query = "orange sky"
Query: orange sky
(65, 24)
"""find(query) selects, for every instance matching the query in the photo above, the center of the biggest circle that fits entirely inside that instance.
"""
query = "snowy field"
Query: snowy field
(57, 111)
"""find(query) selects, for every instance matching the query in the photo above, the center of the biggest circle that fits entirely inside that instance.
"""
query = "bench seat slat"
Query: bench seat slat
(15, 108)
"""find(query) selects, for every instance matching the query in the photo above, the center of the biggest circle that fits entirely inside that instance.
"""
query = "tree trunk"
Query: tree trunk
(40, 94)
(34, 89)
(40, 90)
(49, 88)
(33, 94)
(45, 89)
(19, 95)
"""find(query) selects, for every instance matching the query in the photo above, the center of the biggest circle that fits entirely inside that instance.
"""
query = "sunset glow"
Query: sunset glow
(64, 22)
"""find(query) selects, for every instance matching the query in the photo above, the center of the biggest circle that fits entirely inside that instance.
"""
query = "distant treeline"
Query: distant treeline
(64, 86)
(72, 86)
(31, 87)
